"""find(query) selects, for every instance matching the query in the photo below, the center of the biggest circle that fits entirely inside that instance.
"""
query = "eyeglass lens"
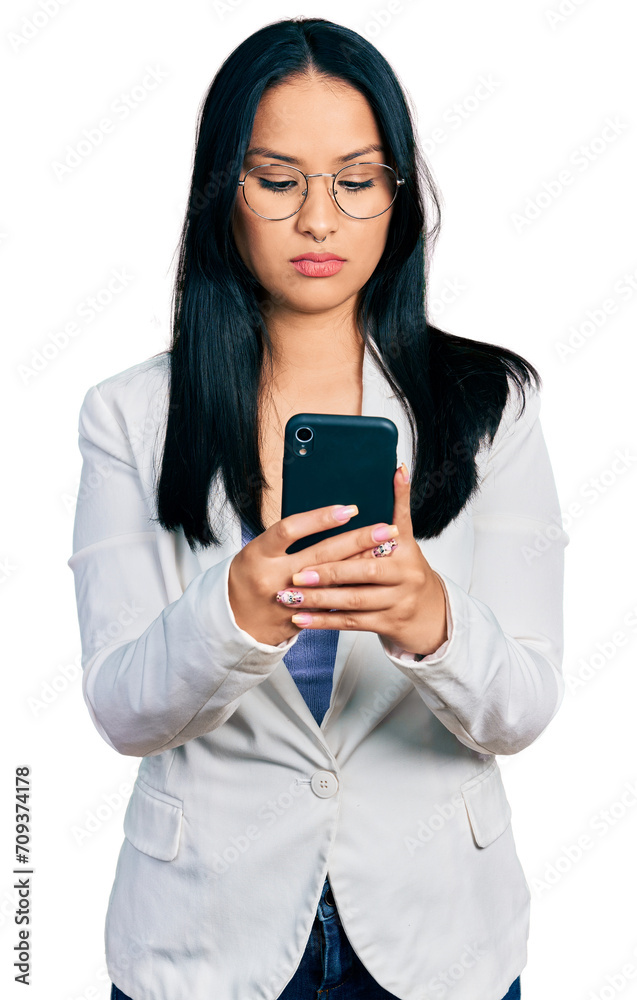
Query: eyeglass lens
(362, 190)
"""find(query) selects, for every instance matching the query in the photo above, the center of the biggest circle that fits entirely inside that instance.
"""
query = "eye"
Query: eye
(349, 185)
(274, 179)
(268, 185)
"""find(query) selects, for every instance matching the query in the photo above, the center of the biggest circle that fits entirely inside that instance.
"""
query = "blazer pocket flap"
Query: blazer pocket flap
(152, 821)
(487, 805)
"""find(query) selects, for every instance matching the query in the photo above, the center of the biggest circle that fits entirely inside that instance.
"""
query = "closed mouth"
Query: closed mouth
(317, 258)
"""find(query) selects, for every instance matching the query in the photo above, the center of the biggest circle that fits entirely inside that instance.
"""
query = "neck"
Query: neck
(314, 350)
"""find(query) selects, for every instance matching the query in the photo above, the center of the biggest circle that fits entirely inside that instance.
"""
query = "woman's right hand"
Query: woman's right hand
(262, 568)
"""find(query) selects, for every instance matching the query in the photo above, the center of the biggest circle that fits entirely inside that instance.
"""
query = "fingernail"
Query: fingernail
(344, 513)
(302, 619)
(385, 548)
(289, 597)
(405, 472)
(305, 577)
(383, 533)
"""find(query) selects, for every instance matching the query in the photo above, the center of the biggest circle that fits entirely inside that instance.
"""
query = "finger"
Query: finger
(370, 553)
(361, 621)
(382, 550)
(362, 569)
(402, 509)
(358, 598)
(343, 545)
(279, 536)
(389, 548)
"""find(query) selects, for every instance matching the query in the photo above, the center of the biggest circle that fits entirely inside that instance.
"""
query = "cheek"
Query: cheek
(246, 237)
(370, 246)
(256, 247)
(240, 230)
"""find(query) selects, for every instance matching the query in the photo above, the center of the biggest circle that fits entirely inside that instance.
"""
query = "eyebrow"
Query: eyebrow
(272, 155)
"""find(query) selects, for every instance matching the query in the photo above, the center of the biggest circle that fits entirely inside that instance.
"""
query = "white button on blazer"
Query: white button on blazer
(243, 803)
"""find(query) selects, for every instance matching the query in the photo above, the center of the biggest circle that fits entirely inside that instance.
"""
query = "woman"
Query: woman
(319, 805)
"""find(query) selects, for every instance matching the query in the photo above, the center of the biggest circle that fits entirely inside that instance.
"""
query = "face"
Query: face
(316, 121)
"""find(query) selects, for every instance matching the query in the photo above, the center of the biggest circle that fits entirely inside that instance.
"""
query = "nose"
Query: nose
(329, 186)
(313, 211)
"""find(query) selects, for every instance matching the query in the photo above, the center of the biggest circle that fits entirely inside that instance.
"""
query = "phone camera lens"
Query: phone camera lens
(304, 434)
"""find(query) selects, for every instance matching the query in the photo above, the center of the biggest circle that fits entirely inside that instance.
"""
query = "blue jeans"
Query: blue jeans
(330, 963)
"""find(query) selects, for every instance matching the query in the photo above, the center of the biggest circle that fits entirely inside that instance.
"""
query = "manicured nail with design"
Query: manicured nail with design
(289, 597)
(344, 513)
(385, 548)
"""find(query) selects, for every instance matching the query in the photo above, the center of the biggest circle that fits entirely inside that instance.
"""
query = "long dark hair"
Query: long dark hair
(453, 389)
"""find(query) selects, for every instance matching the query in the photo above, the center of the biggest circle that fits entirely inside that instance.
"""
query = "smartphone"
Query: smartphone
(332, 458)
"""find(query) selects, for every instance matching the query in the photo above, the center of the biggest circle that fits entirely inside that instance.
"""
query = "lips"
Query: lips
(318, 258)
(318, 268)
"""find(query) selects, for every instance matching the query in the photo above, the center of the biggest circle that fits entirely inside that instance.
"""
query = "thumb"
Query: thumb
(402, 492)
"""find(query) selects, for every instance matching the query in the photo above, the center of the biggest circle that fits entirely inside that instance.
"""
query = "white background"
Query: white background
(535, 268)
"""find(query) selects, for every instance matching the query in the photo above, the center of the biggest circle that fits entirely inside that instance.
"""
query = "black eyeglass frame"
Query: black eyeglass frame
(399, 181)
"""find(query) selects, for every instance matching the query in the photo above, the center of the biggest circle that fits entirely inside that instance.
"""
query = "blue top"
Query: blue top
(310, 660)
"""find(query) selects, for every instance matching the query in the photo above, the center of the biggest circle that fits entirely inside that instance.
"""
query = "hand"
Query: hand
(262, 568)
(398, 596)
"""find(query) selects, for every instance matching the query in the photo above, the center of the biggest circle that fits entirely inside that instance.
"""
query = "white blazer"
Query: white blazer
(243, 803)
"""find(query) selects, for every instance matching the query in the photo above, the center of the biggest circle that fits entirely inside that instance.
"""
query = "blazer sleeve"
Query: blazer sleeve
(155, 674)
(496, 682)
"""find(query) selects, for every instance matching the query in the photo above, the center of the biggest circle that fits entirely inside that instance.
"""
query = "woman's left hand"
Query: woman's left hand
(398, 596)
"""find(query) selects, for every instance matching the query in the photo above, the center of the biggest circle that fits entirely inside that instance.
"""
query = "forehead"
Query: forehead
(303, 118)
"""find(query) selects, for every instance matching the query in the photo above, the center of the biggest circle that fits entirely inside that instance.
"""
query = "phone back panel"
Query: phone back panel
(349, 459)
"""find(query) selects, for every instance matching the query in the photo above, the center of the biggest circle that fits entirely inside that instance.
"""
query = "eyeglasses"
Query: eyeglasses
(361, 190)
